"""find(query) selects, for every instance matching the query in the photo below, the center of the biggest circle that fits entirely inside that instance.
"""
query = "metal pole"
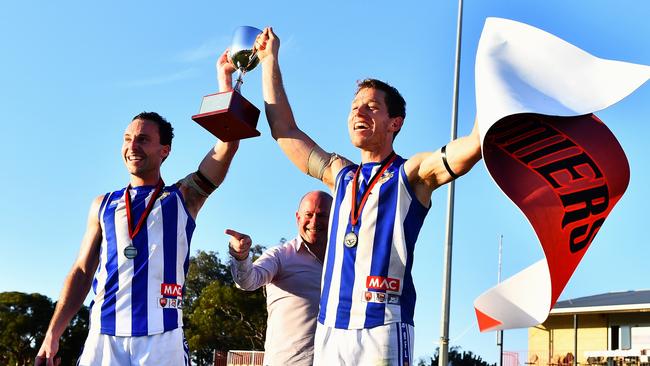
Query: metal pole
(500, 333)
(575, 339)
(446, 275)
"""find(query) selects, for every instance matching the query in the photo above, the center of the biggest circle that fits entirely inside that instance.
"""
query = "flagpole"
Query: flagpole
(500, 332)
(446, 276)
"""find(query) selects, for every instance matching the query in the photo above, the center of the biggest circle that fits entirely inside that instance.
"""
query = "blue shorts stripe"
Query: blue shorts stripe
(405, 358)
(398, 335)
(186, 350)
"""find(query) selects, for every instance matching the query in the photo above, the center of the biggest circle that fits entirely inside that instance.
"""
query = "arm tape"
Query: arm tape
(443, 152)
(205, 180)
(190, 181)
(318, 161)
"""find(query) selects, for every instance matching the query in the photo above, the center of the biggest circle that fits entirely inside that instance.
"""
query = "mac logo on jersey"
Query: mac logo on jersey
(171, 290)
(382, 283)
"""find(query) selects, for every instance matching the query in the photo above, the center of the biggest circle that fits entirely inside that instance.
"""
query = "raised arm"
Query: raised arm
(247, 275)
(76, 285)
(297, 145)
(428, 171)
(212, 170)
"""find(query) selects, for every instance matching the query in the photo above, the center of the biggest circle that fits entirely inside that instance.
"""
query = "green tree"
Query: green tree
(226, 318)
(23, 322)
(204, 268)
(74, 337)
(457, 358)
(218, 315)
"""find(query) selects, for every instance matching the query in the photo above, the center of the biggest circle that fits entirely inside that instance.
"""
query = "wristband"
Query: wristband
(443, 152)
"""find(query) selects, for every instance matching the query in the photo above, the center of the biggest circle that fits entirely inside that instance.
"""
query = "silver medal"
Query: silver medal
(350, 239)
(130, 252)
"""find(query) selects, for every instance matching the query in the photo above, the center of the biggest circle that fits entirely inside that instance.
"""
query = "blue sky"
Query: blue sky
(74, 73)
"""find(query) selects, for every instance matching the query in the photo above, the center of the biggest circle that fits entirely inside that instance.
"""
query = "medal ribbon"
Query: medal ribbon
(134, 231)
(355, 213)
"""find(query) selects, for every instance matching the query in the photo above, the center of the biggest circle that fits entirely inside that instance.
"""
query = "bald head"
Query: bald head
(316, 196)
(312, 217)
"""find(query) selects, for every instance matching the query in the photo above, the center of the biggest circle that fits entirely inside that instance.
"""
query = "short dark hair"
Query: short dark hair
(165, 129)
(394, 100)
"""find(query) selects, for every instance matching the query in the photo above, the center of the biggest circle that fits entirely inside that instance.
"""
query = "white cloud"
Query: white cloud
(211, 48)
(289, 44)
(163, 79)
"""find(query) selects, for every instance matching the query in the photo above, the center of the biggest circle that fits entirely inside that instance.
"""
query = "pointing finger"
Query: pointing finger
(235, 234)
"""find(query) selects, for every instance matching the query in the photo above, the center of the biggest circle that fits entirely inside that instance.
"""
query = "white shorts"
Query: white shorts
(169, 348)
(390, 345)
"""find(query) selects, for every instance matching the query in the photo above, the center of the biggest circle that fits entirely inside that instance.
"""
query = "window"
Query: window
(613, 340)
(626, 337)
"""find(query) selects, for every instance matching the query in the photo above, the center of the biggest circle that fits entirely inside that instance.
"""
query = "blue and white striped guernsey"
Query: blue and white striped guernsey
(142, 296)
(370, 284)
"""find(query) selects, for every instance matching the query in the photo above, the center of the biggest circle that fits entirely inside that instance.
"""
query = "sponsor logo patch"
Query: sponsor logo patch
(166, 303)
(393, 299)
(383, 283)
(171, 290)
(380, 298)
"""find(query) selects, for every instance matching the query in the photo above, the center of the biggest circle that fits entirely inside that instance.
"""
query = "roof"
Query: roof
(611, 302)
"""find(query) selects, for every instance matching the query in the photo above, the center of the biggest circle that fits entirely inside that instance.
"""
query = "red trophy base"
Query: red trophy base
(228, 116)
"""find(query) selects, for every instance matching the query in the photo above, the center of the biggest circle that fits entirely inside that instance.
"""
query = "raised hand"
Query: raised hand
(267, 43)
(240, 244)
(225, 69)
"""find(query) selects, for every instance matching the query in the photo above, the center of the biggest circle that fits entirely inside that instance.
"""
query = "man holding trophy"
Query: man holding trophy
(367, 292)
(135, 252)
